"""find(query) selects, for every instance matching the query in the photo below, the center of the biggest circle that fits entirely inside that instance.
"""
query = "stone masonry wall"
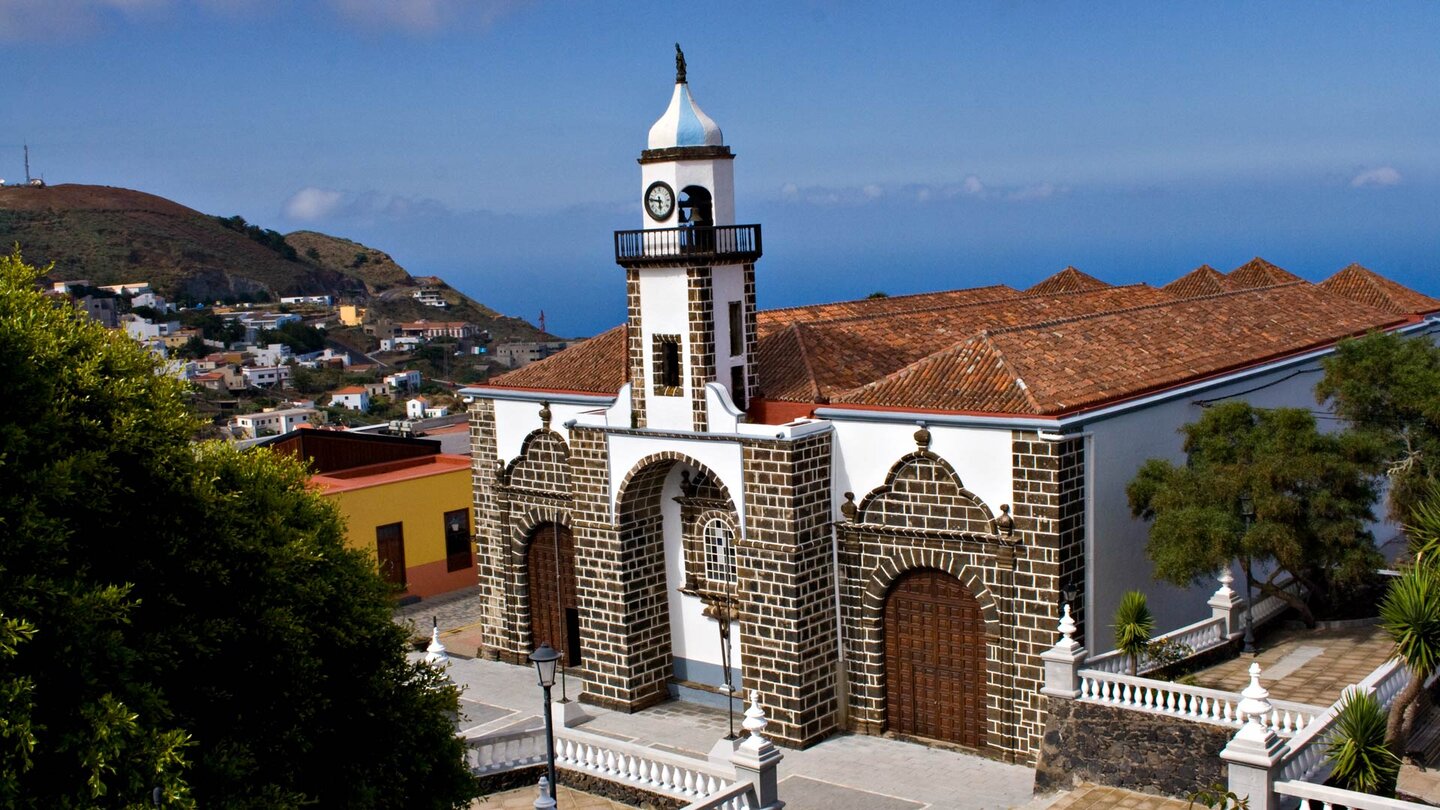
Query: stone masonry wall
(484, 463)
(786, 587)
(701, 297)
(1151, 753)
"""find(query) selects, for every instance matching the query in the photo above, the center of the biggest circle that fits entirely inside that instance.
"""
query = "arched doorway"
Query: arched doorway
(935, 659)
(554, 610)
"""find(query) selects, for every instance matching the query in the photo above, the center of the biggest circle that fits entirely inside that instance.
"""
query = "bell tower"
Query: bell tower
(689, 272)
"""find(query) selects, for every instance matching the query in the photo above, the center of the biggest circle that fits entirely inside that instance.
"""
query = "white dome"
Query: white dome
(684, 124)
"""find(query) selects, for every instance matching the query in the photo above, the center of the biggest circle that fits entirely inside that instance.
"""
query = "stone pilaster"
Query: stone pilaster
(635, 349)
(701, 300)
(484, 460)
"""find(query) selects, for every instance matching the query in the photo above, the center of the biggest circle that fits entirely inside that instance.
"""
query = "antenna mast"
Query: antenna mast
(27, 164)
(542, 320)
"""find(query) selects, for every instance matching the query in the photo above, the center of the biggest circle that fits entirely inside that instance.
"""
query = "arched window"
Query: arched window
(719, 552)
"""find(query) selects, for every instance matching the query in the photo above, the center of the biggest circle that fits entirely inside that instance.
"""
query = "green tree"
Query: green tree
(1410, 614)
(1362, 761)
(1133, 625)
(1388, 387)
(185, 617)
(1310, 494)
(301, 338)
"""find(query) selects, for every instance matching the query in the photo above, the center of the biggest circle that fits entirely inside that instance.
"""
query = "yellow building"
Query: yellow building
(351, 315)
(402, 500)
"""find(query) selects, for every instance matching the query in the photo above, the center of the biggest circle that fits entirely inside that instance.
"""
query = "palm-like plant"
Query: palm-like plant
(1423, 527)
(1362, 761)
(1133, 626)
(1410, 613)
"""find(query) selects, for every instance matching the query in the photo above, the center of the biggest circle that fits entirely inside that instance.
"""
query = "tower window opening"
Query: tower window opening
(696, 207)
(737, 330)
(666, 350)
(737, 386)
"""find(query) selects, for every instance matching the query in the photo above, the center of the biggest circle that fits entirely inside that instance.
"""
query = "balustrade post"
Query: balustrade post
(1063, 661)
(1253, 755)
(1226, 604)
(757, 760)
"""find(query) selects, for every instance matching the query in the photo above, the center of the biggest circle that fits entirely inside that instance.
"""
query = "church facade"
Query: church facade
(869, 512)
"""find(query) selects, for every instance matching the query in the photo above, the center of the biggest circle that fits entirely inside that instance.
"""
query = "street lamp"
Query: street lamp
(721, 612)
(1247, 513)
(545, 658)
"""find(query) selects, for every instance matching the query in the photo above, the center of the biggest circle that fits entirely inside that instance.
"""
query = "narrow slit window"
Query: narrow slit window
(668, 367)
(737, 330)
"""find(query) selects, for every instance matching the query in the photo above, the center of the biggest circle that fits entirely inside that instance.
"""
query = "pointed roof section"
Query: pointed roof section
(1259, 273)
(1203, 280)
(1067, 280)
(594, 366)
(684, 124)
(1368, 287)
(972, 375)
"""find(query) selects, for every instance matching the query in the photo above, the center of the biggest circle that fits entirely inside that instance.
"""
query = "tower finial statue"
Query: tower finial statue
(679, 65)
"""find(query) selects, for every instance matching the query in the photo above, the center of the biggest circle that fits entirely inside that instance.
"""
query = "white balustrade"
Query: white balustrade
(505, 752)
(1199, 637)
(647, 768)
(1193, 703)
(1322, 797)
(739, 796)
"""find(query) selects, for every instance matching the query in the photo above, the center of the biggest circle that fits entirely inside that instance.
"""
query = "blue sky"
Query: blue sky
(902, 148)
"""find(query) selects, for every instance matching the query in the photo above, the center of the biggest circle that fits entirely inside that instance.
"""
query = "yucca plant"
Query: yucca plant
(1423, 527)
(1133, 626)
(1410, 614)
(1362, 761)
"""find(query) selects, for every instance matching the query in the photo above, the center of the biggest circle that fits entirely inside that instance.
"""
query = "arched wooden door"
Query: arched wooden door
(554, 611)
(935, 659)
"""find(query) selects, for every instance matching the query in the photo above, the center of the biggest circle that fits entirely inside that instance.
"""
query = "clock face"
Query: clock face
(659, 201)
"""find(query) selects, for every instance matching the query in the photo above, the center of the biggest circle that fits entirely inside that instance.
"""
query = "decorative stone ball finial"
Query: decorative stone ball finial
(1255, 699)
(1067, 629)
(922, 437)
(1225, 579)
(755, 721)
(546, 800)
(1005, 525)
(544, 414)
(679, 65)
(435, 654)
(848, 509)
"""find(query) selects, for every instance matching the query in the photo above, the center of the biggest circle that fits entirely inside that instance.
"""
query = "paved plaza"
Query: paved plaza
(1306, 666)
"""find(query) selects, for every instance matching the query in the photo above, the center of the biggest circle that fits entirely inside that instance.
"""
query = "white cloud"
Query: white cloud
(972, 185)
(421, 16)
(1383, 176)
(925, 193)
(311, 203)
(1039, 191)
(872, 192)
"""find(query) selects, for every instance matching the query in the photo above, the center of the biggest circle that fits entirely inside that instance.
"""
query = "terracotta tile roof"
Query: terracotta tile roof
(1067, 280)
(1259, 273)
(349, 389)
(1368, 287)
(1203, 280)
(594, 366)
(846, 353)
(1070, 364)
(995, 350)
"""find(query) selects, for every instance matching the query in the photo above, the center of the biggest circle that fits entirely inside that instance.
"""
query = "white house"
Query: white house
(430, 297)
(404, 380)
(271, 354)
(420, 408)
(145, 331)
(324, 300)
(128, 288)
(265, 376)
(868, 512)
(270, 423)
(353, 397)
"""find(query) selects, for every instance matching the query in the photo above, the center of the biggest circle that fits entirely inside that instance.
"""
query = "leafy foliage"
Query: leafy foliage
(1410, 614)
(1134, 625)
(184, 618)
(270, 239)
(1388, 387)
(300, 337)
(1310, 491)
(1219, 798)
(1362, 761)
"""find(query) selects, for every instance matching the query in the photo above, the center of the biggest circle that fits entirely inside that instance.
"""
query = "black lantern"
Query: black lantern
(545, 659)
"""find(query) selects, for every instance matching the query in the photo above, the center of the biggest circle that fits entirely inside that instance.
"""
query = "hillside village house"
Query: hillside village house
(353, 397)
(874, 508)
(271, 423)
(404, 380)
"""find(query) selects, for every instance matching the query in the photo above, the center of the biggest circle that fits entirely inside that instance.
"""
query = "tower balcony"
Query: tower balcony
(722, 244)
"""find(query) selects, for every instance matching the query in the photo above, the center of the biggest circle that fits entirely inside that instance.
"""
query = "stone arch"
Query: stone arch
(905, 560)
(523, 524)
(662, 461)
(923, 491)
(542, 465)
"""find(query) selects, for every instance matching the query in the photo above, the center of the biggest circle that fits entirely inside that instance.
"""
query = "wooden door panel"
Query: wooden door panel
(935, 672)
(554, 609)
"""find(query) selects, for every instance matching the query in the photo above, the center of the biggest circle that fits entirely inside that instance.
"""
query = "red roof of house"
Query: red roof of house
(1069, 343)
(349, 389)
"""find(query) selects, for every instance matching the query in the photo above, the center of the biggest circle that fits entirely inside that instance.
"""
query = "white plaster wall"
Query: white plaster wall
(1118, 446)
(693, 636)
(664, 310)
(865, 451)
(514, 420)
(728, 284)
(721, 457)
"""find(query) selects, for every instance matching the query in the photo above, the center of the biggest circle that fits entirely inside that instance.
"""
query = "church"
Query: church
(869, 512)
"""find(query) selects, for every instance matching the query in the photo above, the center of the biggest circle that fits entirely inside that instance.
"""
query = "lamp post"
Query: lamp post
(1247, 514)
(545, 658)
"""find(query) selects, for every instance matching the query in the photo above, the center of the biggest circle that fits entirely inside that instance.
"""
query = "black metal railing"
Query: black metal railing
(725, 244)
